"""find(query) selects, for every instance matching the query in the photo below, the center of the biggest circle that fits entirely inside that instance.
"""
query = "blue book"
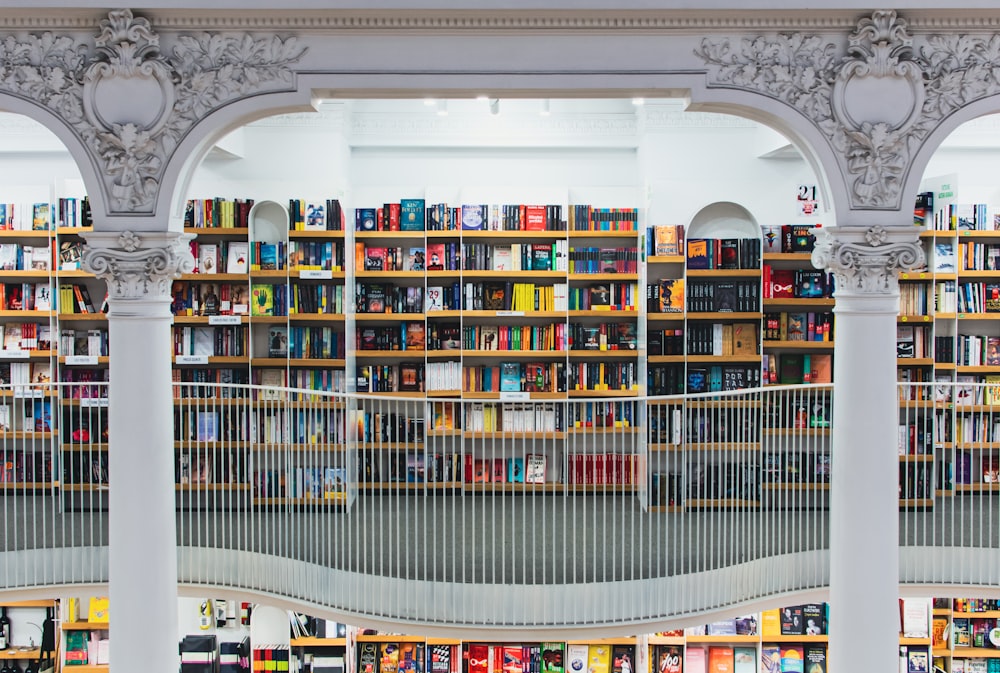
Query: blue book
(411, 214)
(510, 377)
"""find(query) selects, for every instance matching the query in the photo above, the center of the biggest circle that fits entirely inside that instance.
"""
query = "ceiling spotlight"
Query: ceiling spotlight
(546, 107)
(494, 106)
(430, 102)
(638, 101)
(442, 108)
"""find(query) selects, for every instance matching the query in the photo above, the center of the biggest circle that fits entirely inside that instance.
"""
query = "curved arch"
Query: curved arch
(191, 151)
(801, 131)
(726, 220)
(947, 126)
(89, 170)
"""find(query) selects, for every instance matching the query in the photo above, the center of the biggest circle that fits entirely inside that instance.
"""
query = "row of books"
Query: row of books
(402, 377)
(211, 341)
(83, 342)
(25, 337)
(603, 468)
(665, 341)
(719, 378)
(667, 379)
(606, 336)
(391, 298)
(721, 339)
(528, 377)
(514, 417)
(603, 376)
(417, 215)
(796, 283)
(723, 424)
(798, 326)
(316, 215)
(977, 350)
(75, 298)
(318, 483)
(24, 467)
(978, 297)
(208, 299)
(612, 296)
(16, 257)
(555, 336)
(603, 260)
(914, 299)
(217, 213)
(789, 238)
(794, 467)
(406, 335)
(26, 217)
(26, 297)
(975, 256)
(719, 296)
(723, 253)
(792, 368)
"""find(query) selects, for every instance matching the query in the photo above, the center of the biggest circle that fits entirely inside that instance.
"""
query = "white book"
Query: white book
(208, 258)
(4, 418)
(435, 298)
(237, 257)
(204, 341)
(502, 258)
(94, 339)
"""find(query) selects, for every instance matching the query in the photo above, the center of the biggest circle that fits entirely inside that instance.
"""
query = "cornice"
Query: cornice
(364, 21)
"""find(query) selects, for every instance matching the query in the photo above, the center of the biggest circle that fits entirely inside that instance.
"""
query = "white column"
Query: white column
(139, 270)
(864, 504)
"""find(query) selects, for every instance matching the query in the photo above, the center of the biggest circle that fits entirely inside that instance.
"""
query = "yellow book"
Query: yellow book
(599, 659)
(770, 623)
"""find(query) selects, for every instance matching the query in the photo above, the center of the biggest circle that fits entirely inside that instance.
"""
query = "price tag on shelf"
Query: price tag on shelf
(224, 320)
(29, 392)
(503, 314)
(89, 360)
(241, 308)
(192, 359)
(315, 274)
(94, 402)
(14, 354)
(512, 396)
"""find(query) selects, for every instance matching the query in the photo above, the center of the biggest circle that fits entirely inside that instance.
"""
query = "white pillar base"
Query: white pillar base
(142, 519)
(864, 500)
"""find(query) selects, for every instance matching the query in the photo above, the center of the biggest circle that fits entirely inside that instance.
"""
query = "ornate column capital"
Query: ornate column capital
(138, 268)
(866, 261)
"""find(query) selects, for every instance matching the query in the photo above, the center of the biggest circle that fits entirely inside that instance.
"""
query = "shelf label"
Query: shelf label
(316, 274)
(224, 320)
(502, 314)
(512, 396)
(241, 308)
(28, 392)
(14, 354)
(81, 360)
(93, 402)
(192, 359)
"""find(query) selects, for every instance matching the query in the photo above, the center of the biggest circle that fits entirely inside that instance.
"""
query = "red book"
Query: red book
(479, 659)
(394, 210)
(535, 218)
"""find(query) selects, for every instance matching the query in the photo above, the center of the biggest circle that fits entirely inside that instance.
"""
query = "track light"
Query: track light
(442, 108)
(546, 107)
(494, 106)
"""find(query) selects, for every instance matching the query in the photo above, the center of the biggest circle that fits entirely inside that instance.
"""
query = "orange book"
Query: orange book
(720, 659)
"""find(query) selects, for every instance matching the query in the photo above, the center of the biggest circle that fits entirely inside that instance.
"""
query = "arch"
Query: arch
(947, 126)
(800, 130)
(723, 219)
(89, 170)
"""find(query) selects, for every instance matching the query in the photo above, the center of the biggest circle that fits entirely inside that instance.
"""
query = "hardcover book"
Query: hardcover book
(671, 295)
(315, 216)
(474, 217)
(411, 214)
(236, 257)
(669, 659)
(667, 240)
(534, 468)
(435, 257)
(552, 657)
(510, 376)
(699, 253)
(415, 260)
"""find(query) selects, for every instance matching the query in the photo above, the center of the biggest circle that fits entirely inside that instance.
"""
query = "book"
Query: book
(237, 256)
(576, 658)
(262, 299)
(474, 217)
(667, 240)
(207, 426)
(814, 657)
(515, 470)
(510, 376)
(315, 216)
(792, 659)
(669, 659)
(415, 260)
(944, 257)
(534, 468)
(599, 659)
(208, 258)
(671, 295)
(411, 214)
(622, 658)
(745, 660)
(770, 659)
(435, 257)
(720, 659)
(552, 657)
(277, 341)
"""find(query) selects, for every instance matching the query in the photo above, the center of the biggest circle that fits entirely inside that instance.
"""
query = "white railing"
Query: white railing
(499, 513)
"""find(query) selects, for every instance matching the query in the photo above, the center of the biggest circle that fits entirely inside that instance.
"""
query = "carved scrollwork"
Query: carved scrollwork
(869, 267)
(139, 269)
(845, 95)
(131, 104)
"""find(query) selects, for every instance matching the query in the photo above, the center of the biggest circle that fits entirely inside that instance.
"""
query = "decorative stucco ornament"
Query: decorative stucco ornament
(845, 95)
(132, 105)
(868, 266)
(138, 267)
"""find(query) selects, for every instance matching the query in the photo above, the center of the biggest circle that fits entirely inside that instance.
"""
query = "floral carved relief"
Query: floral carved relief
(130, 103)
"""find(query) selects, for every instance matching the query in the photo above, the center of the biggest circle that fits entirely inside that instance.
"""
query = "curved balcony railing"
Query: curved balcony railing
(500, 513)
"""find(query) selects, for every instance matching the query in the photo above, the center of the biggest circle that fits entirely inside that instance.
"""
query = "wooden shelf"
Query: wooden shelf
(602, 393)
(497, 434)
(211, 487)
(978, 316)
(914, 362)
(916, 458)
(87, 668)
(393, 317)
(915, 318)
(29, 316)
(725, 316)
(315, 317)
(722, 446)
(975, 652)
(399, 274)
(602, 313)
(218, 360)
(501, 234)
(482, 395)
(498, 314)
(28, 604)
(794, 486)
(977, 273)
(795, 639)
(665, 259)
(335, 274)
(787, 257)
(988, 614)
(205, 319)
(587, 233)
(600, 355)
(15, 654)
(750, 640)
(664, 509)
(721, 503)
(797, 432)
(523, 273)
(724, 359)
(229, 277)
(362, 235)
(84, 626)
(628, 277)
(34, 233)
(799, 302)
(658, 359)
(723, 273)
(389, 355)
(316, 233)
(311, 641)
(514, 355)
(800, 345)
(235, 232)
